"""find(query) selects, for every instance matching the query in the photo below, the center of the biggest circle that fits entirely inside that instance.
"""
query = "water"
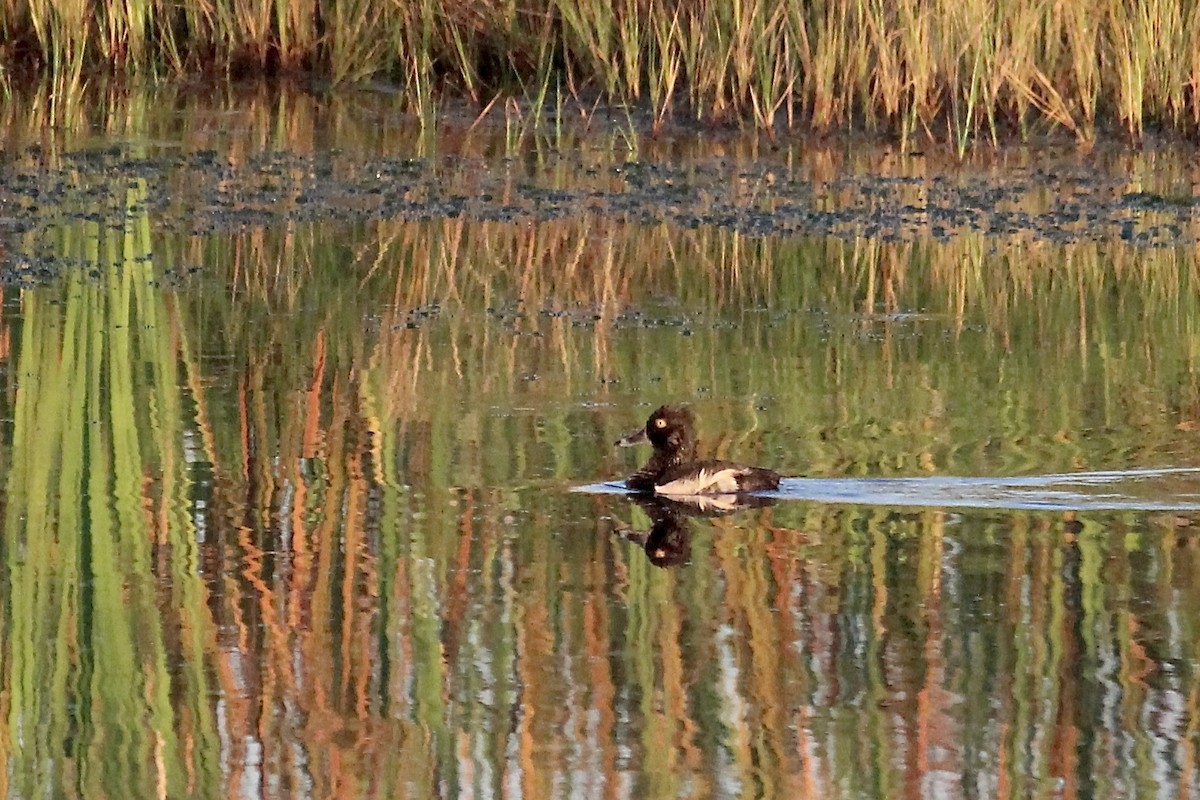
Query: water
(307, 493)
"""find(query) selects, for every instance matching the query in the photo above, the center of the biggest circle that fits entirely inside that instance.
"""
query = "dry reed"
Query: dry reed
(956, 71)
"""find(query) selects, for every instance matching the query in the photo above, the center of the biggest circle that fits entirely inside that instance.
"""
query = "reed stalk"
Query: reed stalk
(978, 69)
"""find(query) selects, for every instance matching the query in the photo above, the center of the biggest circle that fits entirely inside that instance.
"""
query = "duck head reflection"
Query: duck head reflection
(668, 543)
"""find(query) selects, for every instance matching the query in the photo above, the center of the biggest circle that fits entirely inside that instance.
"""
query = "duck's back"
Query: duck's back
(715, 477)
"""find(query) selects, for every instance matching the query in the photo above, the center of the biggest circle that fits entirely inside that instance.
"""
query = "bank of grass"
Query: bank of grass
(956, 70)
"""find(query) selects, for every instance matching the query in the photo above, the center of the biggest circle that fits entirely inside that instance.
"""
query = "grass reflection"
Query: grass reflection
(308, 532)
(108, 640)
(871, 358)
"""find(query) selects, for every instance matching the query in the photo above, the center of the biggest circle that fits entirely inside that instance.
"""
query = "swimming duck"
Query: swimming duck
(673, 468)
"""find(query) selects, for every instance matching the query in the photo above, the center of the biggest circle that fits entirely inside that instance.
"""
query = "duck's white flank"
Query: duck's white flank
(721, 481)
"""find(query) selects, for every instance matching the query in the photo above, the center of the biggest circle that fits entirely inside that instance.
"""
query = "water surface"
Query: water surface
(290, 471)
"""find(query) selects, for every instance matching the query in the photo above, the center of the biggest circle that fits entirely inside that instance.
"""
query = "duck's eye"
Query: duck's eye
(660, 423)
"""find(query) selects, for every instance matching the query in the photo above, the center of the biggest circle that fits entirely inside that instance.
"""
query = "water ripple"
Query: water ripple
(1163, 489)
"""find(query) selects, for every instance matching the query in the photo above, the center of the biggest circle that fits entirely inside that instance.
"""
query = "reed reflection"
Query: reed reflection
(248, 543)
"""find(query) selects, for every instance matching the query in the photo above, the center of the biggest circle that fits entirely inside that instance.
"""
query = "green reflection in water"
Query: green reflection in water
(108, 680)
(303, 525)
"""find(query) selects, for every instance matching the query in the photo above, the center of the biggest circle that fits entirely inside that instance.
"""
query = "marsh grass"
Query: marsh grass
(955, 71)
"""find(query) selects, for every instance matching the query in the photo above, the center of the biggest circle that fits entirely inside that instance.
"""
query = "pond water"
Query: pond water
(307, 463)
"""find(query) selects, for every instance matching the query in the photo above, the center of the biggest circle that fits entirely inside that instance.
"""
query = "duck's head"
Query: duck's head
(671, 429)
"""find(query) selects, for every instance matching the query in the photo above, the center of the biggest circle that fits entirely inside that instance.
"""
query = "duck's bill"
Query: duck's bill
(632, 438)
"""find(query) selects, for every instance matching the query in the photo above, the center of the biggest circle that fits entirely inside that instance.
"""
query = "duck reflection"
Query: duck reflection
(668, 543)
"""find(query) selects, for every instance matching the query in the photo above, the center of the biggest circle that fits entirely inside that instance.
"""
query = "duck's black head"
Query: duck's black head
(672, 431)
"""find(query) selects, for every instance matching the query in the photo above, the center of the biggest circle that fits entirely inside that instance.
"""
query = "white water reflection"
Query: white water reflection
(1165, 489)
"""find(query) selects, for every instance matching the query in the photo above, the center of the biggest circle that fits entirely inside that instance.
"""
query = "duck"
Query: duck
(673, 469)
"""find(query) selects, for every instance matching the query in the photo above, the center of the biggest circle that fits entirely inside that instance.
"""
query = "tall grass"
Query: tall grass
(955, 70)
